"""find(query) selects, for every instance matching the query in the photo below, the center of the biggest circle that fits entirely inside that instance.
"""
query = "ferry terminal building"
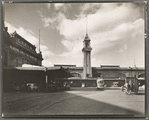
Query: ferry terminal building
(17, 51)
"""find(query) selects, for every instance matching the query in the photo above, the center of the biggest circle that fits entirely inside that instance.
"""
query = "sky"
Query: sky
(116, 31)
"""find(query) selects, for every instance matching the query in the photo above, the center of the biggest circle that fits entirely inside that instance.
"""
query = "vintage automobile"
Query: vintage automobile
(66, 85)
(32, 87)
(100, 83)
(115, 84)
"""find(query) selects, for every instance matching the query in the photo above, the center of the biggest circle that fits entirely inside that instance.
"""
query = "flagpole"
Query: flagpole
(86, 24)
(39, 40)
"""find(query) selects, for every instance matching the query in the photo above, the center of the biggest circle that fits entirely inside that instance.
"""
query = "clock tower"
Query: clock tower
(87, 70)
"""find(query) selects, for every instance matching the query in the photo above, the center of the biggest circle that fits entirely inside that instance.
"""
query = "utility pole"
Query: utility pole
(39, 40)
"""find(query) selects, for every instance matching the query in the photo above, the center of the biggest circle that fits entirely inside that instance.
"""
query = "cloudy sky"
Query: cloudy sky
(116, 31)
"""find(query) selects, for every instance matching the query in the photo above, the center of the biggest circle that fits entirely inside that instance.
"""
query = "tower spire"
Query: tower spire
(86, 36)
(86, 24)
(39, 40)
(134, 63)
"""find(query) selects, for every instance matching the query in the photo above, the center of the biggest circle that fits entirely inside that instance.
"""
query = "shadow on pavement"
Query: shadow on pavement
(82, 89)
(62, 104)
(113, 88)
(140, 93)
(93, 88)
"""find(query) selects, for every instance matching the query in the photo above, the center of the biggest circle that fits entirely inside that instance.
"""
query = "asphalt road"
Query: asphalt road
(76, 101)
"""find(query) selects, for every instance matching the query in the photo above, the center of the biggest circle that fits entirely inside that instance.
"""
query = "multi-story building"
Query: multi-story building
(17, 51)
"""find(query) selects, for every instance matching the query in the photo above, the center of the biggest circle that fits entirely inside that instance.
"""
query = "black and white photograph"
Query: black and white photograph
(74, 59)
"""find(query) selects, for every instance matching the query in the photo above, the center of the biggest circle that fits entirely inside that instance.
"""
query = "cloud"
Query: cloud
(74, 48)
(58, 5)
(55, 16)
(25, 33)
(48, 5)
(89, 8)
(47, 21)
(52, 21)
(102, 20)
(62, 7)
(110, 29)
(123, 33)
(128, 46)
(74, 55)
(123, 48)
(47, 63)
(45, 52)
(47, 55)
(72, 29)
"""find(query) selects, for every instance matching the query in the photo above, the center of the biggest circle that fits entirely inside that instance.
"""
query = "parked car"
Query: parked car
(66, 85)
(115, 84)
(100, 83)
(32, 87)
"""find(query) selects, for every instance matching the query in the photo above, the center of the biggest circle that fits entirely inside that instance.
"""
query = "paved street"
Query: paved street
(76, 101)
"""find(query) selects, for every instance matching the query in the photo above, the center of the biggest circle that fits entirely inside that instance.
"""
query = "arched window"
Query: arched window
(141, 75)
(76, 75)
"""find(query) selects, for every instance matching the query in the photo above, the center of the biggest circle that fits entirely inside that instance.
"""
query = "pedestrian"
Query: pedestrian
(131, 85)
(127, 88)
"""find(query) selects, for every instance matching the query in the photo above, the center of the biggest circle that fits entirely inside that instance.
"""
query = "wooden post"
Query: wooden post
(46, 82)
(46, 79)
(136, 85)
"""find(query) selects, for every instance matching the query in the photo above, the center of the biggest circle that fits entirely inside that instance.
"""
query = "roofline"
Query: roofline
(63, 65)
(110, 65)
(23, 39)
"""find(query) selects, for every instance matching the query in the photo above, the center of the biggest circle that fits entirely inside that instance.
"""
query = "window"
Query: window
(21, 61)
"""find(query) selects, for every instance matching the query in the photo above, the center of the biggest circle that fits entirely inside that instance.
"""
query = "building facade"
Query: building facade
(17, 51)
(110, 73)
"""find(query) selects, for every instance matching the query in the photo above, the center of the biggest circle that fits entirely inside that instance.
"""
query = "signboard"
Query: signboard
(23, 53)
